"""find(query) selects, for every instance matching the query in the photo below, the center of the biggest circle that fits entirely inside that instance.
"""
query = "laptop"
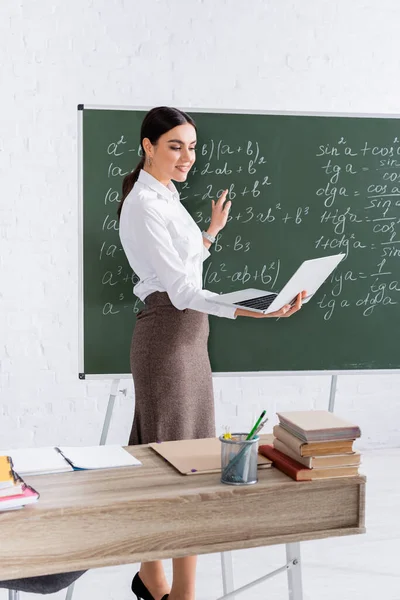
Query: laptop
(309, 277)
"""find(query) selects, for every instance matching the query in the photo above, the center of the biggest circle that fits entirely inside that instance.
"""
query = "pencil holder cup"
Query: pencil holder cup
(239, 459)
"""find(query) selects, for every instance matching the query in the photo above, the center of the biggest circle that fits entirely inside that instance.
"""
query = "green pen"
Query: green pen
(256, 425)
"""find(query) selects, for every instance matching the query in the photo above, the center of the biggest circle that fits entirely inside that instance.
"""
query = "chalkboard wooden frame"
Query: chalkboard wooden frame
(114, 376)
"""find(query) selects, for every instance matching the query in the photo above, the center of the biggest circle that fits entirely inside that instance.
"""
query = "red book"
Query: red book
(299, 472)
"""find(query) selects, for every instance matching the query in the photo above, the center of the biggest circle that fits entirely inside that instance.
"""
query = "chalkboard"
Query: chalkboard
(302, 186)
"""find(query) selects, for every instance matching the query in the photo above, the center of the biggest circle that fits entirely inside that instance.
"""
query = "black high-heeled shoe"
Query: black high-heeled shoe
(141, 591)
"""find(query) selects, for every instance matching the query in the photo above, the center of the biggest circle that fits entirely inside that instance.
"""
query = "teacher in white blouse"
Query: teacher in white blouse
(169, 357)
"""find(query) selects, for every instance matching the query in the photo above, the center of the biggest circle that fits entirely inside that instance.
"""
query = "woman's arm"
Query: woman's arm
(149, 235)
(220, 212)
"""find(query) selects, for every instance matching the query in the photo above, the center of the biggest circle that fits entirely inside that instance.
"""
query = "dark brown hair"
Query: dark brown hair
(157, 121)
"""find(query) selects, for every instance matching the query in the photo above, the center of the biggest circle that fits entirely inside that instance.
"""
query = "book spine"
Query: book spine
(285, 464)
(281, 447)
(287, 438)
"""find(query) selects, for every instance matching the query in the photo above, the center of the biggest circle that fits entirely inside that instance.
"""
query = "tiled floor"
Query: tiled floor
(363, 567)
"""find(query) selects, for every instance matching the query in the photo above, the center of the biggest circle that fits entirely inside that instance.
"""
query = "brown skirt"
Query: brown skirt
(171, 372)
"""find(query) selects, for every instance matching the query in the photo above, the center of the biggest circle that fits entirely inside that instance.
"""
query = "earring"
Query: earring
(149, 162)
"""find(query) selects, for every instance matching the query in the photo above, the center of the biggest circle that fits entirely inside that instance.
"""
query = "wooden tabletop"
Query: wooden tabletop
(89, 519)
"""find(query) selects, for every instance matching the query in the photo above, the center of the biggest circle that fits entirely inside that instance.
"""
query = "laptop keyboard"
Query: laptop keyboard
(261, 303)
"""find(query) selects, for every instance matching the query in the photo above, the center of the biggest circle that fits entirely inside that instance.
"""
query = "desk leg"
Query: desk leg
(13, 595)
(110, 406)
(332, 393)
(294, 572)
(227, 573)
(70, 591)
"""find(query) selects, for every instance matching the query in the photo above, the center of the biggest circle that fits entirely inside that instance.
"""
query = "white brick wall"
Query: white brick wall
(313, 55)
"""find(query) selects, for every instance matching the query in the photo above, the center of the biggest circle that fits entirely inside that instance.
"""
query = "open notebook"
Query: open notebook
(98, 457)
(41, 461)
(37, 461)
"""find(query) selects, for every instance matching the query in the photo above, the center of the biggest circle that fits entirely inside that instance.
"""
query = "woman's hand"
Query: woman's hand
(286, 311)
(220, 212)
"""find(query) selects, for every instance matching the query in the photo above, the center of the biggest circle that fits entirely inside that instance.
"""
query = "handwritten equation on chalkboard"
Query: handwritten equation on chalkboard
(353, 208)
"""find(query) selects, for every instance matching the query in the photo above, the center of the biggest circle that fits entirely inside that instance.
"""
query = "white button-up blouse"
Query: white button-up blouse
(164, 247)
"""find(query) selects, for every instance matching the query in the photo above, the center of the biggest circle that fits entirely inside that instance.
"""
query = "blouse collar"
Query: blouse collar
(169, 192)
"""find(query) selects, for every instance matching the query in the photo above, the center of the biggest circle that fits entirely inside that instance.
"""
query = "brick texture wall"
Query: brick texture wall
(286, 56)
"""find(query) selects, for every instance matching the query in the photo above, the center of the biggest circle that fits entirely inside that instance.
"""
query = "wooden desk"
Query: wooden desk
(93, 519)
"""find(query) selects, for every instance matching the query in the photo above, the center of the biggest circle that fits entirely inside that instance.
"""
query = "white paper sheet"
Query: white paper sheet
(98, 457)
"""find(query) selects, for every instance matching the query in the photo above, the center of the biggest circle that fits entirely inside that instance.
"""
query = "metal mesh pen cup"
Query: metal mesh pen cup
(239, 459)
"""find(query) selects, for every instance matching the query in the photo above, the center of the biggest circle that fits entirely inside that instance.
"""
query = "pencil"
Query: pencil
(252, 432)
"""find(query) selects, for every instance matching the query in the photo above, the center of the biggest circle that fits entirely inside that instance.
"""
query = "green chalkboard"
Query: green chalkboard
(302, 186)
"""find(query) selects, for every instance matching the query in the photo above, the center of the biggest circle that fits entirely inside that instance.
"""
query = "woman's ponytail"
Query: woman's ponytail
(156, 122)
(129, 182)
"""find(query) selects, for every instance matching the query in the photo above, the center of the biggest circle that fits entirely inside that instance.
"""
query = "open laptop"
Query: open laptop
(309, 277)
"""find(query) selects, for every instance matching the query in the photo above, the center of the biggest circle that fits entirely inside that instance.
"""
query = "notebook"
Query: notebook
(43, 461)
(309, 277)
(38, 461)
(191, 457)
(98, 457)
(28, 496)
(7, 477)
(317, 425)
(13, 490)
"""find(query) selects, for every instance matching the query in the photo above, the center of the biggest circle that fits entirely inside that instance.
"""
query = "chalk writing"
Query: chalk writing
(355, 205)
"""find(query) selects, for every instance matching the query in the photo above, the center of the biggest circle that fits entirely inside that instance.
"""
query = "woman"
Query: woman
(169, 358)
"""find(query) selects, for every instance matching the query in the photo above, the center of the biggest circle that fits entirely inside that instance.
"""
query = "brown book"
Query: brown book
(314, 448)
(317, 425)
(299, 472)
(316, 462)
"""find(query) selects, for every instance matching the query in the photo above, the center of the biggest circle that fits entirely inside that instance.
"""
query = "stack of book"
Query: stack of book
(313, 444)
(14, 492)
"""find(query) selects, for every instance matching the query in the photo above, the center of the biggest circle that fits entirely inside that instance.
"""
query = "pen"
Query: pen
(261, 425)
(257, 424)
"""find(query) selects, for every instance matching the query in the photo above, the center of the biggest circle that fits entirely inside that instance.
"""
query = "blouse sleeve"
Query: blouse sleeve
(154, 237)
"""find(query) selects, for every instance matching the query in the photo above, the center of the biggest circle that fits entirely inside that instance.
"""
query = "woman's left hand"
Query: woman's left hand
(220, 213)
(289, 309)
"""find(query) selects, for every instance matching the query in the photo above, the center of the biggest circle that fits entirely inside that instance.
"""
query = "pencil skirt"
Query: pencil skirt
(171, 371)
